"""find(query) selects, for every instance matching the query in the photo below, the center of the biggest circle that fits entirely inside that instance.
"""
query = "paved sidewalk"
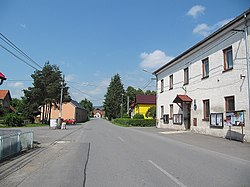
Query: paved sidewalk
(220, 145)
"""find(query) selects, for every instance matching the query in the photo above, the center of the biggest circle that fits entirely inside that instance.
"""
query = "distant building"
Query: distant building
(5, 99)
(142, 104)
(205, 89)
(98, 112)
(71, 110)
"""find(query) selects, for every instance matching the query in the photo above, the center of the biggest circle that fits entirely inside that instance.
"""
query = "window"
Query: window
(206, 110)
(205, 68)
(171, 111)
(186, 76)
(228, 58)
(162, 111)
(230, 104)
(171, 82)
(162, 85)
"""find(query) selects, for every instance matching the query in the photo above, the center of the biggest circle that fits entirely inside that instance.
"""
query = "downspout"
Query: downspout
(247, 61)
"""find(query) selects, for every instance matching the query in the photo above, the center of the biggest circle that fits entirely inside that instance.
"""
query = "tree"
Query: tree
(150, 92)
(151, 112)
(17, 104)
(88, 105)
(45, 92)
(114, 100)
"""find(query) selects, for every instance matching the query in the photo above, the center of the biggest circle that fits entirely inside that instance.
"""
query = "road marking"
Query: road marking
(121, 139)
(168, 174)
(173, 132)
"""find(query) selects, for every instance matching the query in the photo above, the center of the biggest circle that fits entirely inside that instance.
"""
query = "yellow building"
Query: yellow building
(143, 103)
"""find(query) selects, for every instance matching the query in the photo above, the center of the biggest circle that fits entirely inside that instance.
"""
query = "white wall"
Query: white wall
(216, 87)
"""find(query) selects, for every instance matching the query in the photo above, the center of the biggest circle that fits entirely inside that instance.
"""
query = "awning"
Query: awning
(180, 99)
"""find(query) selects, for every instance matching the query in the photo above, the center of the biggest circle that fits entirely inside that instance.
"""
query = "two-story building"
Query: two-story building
(206, 88)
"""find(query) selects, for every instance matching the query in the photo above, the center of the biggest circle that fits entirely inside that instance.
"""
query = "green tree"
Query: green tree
(17, 104)
(150, 92)
(114, 101)
(45, 92)
(88, 105)
(151, 112)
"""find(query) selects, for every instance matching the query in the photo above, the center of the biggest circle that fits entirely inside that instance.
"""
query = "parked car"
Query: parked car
(70, 121)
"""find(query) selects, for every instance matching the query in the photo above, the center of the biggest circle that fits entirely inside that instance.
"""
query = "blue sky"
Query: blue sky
(92, 40)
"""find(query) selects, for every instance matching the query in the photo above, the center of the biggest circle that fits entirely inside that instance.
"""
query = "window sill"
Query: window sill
(205, 119)
(226, 70)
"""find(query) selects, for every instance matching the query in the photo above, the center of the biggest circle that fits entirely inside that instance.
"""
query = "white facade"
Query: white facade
(225, 86)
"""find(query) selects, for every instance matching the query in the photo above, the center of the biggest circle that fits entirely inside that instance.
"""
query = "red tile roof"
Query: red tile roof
(182, 98)
(3, 93)
(145, 99)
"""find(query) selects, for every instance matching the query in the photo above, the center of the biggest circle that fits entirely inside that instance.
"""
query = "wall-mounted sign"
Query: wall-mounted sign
(177, 119)
(216, 120)
(235, 118)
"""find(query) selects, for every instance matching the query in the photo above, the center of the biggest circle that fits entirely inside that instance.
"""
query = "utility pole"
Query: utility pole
(127, 104)
(60, 107)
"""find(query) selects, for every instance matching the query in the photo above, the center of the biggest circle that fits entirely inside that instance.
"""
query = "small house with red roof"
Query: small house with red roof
(142, 104)
(5, 99)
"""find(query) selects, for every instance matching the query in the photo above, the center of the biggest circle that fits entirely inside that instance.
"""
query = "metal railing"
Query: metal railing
(14, 143)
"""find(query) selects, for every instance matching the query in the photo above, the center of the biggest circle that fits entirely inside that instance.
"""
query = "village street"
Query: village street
(98, 153)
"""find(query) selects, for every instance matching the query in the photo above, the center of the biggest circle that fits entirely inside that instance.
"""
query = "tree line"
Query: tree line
(115, 99)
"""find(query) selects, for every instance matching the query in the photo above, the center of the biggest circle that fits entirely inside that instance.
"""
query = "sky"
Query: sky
(92, 40)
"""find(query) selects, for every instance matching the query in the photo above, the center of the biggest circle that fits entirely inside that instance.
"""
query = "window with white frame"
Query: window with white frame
(162, 111)
(186, 76)
(205, 68)
(228, 58)
(162, 85)
(171, 111)
(206, 110)
(171, 82)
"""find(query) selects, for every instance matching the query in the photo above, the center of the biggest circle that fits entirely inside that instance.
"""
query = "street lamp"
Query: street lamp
(2, 78)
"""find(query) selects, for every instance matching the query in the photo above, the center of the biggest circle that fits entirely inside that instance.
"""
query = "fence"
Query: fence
(14, 143)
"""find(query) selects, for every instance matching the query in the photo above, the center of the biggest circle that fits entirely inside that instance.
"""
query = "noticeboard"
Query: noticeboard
(235, 118)
(216, 120)
(177, 119)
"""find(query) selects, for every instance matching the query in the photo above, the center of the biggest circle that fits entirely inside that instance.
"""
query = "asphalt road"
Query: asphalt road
(101, 154)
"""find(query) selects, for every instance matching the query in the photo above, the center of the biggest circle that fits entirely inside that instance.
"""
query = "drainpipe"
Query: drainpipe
(247, 61)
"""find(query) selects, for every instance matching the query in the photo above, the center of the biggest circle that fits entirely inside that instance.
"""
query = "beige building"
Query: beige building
(71, 110)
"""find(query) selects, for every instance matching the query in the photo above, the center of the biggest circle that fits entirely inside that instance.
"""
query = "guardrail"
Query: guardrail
(14, 143)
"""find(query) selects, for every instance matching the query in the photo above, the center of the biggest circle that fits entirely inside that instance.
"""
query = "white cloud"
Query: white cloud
(71, 77)
(196, 10)
(154, 60)
(204, 29)
(16, 84)
(23, 25)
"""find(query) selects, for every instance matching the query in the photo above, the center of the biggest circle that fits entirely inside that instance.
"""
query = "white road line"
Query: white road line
(168, 174)
(121, 139)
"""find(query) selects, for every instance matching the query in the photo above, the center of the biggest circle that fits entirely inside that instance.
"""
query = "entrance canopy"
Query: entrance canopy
(180, 99)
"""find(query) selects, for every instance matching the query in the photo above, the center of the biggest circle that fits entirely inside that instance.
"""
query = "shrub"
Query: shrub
(125, 116)
(13, 119)
(138, 116)
(151, 112)
(135, 122)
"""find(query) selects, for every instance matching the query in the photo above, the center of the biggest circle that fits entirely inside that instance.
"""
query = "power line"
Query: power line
(96, 99)
(18, 57)
(11, 44)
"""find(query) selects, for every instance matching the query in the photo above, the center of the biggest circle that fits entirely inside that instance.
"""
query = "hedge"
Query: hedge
(135, 122)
